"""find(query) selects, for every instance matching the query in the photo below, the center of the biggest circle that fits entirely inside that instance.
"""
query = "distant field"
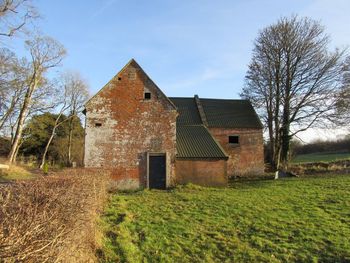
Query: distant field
(320, 157)
(290, 220)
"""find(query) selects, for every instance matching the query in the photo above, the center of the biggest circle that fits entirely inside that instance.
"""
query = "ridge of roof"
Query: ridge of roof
(181, 98)
(209, 99)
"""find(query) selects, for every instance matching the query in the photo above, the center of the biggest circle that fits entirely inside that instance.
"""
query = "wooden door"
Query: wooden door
(157, 172)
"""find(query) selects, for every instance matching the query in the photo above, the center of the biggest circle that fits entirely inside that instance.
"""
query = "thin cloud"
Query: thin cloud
(197, 80)
(103, 8)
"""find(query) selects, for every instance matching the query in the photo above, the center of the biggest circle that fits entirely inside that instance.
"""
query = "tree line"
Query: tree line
(296, 83)
(320, 146)
(31, 94)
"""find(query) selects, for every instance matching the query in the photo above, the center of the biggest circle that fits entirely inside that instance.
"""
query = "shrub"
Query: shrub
(46, 168)
(51, 218)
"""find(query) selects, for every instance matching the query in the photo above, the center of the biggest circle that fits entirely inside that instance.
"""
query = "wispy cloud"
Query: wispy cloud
(197, 79)
(105, 5)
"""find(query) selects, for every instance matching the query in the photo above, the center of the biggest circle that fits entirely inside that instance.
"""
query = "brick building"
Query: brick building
(149, 140)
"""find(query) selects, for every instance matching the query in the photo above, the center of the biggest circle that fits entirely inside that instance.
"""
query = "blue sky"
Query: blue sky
(187, 47)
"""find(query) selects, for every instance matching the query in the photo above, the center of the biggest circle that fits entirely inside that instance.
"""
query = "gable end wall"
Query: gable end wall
(130, 127)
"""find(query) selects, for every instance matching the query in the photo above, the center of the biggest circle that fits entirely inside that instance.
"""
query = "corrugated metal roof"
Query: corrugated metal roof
(188, 112)
(192, 136)
(230, 113)
(197, 142)
(219, 113)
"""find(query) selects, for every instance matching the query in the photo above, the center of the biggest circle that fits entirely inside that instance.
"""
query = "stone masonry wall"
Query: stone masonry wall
(245, 158)
(121, 127)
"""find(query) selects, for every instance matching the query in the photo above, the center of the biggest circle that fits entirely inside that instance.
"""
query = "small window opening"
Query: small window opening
(233, 139)
(147, 95)
(98, 124)
(119, 78)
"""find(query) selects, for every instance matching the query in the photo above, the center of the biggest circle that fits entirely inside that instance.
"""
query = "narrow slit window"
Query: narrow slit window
(147, 95)
(98, 124)
(233, 139)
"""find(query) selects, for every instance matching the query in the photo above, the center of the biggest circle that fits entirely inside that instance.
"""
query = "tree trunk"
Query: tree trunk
(57, 123)
(43, 159)
(16, 152)
(70, 137)
(270, 111)
(276, 145)
(276, 121)
(272, 142)
(9, 111)
(272, 153)
(21, 118)
(285, 138)
(285, 143)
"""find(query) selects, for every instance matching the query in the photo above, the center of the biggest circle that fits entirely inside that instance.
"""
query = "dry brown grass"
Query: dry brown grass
(52, 218)
(315, 168)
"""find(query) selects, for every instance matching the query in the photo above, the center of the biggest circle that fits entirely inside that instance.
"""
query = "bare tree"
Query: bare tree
(292, 80)
(78, 94)
(63, 103)
(11, 88)
(45, 53)
(70, 104)
(14, 15)
(343, 103)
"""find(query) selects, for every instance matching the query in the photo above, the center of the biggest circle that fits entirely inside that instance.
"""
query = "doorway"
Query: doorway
(157, 171)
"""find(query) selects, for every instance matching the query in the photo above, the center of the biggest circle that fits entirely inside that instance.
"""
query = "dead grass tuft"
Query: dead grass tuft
(307, 169)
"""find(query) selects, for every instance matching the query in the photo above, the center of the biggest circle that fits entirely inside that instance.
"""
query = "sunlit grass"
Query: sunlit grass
(291, 220)
(16, 173)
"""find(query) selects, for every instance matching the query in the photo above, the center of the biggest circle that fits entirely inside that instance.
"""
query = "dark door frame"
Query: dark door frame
(166, 170)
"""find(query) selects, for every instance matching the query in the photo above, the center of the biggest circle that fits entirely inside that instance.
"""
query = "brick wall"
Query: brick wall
(202, 172)
(130, 126)
(247, 157)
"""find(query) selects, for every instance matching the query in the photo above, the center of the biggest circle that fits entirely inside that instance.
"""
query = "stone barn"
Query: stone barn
(147, 140)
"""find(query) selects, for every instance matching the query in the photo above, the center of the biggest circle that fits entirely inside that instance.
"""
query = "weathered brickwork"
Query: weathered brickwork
(122, 126)
(208, 172)
(245, 158)
(130, 119)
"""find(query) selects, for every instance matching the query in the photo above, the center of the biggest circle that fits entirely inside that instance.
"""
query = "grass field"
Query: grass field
(291, 220)
(320, 157)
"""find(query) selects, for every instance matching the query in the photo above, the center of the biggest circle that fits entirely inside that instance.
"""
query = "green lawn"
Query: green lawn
(320, 157)
(290, 220)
